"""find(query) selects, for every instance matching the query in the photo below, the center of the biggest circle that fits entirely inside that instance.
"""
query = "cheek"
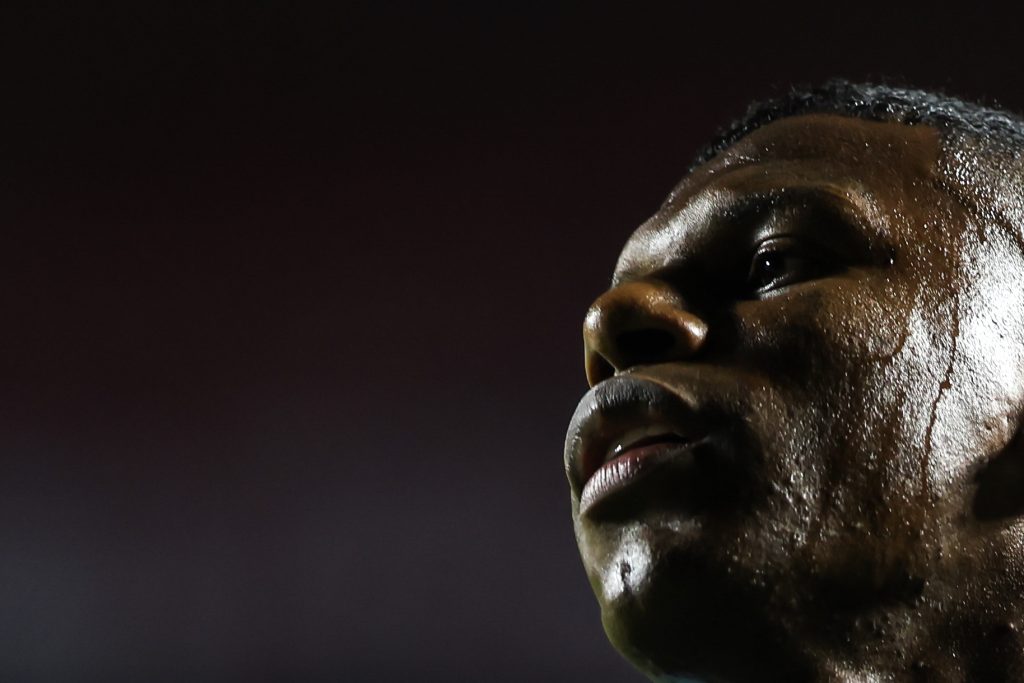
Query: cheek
(863, 369)
(817, 332)
(843, 348)
(980, 407)
(912, 383)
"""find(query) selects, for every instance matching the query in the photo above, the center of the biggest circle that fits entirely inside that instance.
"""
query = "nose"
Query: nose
(638, 323)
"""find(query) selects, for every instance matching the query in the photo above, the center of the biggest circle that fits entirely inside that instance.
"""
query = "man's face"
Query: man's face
(797, 457)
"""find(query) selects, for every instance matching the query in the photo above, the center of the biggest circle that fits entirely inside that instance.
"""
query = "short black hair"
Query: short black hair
(878, 103)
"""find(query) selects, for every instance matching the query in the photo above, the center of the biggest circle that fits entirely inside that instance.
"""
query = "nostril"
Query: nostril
(645, 345)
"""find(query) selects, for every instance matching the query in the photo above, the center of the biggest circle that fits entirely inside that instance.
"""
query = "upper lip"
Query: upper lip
(610, 413)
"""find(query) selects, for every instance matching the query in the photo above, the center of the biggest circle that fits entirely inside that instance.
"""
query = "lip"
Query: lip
(625, 429)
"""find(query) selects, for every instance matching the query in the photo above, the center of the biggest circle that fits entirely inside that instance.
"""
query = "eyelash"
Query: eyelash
(779, 262)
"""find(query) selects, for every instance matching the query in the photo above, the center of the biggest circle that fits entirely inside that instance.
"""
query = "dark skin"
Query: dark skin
(800, 457)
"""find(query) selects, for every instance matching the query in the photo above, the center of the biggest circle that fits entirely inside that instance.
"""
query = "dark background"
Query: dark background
(291, 298)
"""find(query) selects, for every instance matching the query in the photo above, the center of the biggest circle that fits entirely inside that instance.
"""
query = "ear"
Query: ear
(1000, 492)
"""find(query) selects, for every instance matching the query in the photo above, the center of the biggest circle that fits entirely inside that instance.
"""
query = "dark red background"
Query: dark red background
(291, 300)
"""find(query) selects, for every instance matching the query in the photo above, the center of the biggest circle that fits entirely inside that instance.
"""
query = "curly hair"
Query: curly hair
(878, 103)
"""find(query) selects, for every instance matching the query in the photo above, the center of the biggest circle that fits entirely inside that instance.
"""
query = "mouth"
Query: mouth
(624, 431)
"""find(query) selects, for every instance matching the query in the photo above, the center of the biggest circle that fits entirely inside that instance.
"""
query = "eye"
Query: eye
(779, 262)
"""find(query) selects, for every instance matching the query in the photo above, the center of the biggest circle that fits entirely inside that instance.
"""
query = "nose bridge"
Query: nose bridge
(639, 322)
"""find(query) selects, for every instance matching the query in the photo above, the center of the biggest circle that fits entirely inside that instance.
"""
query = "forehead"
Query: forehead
(866, 170)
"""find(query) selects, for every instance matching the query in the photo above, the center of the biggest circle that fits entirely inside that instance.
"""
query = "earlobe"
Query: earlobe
(1000, 492)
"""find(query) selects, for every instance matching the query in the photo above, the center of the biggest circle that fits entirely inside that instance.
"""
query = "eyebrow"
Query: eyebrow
(715, 206)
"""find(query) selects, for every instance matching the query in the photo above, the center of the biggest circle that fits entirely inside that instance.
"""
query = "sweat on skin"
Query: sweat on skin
(799, 457)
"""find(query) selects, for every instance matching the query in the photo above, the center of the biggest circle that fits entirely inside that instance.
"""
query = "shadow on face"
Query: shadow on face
(797, 454)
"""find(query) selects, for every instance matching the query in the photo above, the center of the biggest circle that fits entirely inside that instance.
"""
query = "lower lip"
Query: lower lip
(628, 469)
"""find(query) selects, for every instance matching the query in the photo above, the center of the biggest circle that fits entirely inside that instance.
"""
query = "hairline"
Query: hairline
(952, 117)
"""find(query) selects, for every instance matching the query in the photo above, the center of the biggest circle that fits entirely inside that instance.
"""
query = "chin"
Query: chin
(681, 601)
(689, 619)
(679, 604)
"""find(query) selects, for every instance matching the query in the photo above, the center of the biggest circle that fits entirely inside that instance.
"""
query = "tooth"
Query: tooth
(632, 436)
